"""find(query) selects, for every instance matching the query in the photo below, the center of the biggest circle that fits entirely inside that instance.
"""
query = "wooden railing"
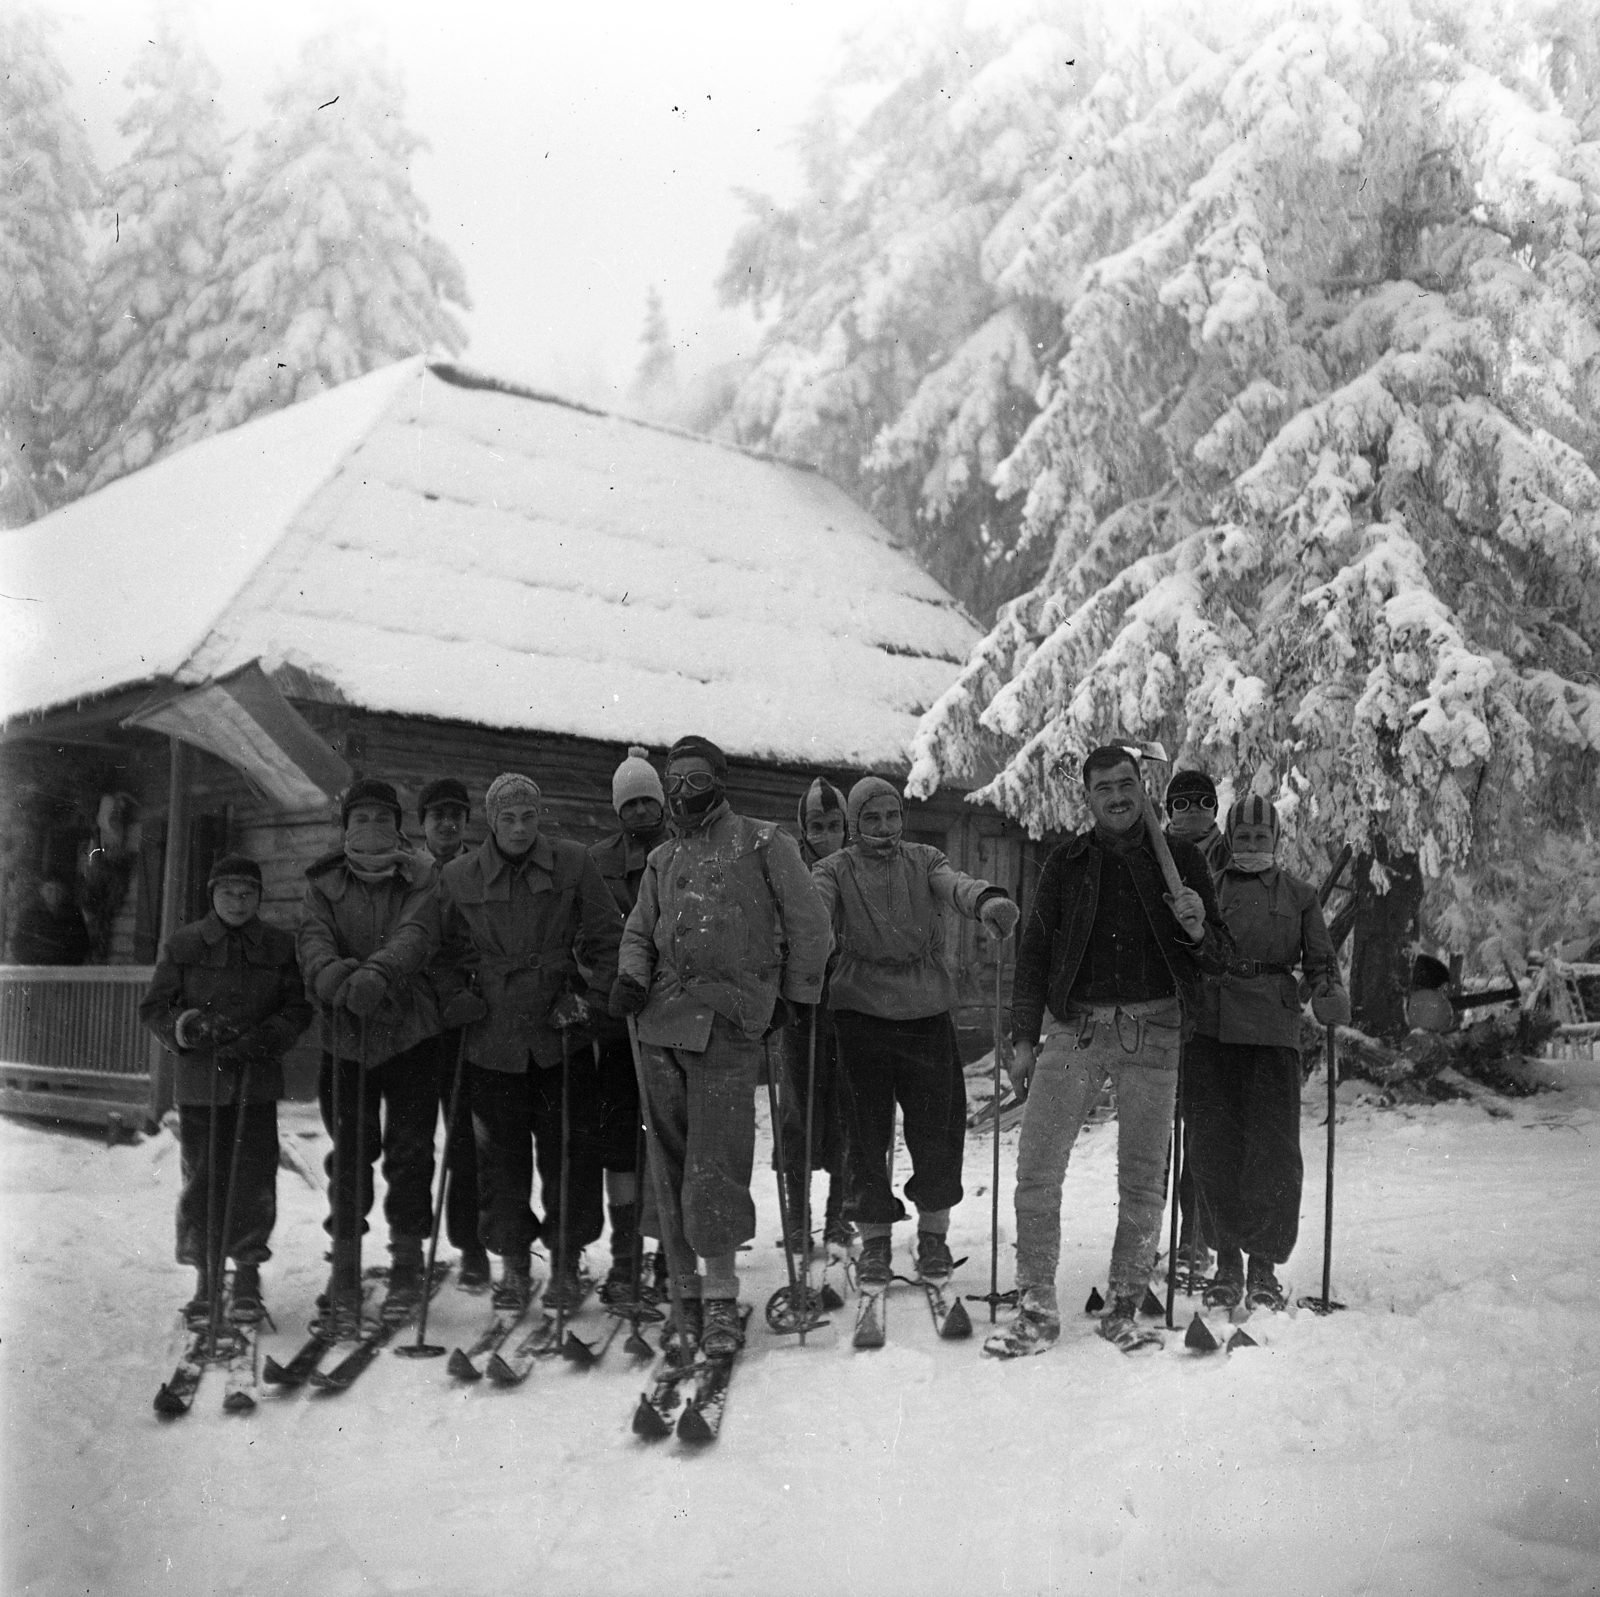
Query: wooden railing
(72, 1048)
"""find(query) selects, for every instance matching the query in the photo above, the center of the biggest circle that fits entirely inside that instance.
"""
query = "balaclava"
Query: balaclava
(373, 849)
(870, 787)
(821, 798)
(1194, 823)
(690, 807)
(1253, 810)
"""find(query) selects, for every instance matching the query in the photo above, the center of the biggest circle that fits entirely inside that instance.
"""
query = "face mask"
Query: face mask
(690, 806)
(1253, 864)
(878, 847)
(371, 837)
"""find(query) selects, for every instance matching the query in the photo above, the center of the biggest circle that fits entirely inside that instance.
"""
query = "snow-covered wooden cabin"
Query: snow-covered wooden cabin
(424, 573)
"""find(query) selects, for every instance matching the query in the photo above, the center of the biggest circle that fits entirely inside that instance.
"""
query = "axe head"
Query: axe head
(1147, 751)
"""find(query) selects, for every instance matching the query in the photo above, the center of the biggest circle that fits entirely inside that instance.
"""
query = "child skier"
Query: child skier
(227, 999)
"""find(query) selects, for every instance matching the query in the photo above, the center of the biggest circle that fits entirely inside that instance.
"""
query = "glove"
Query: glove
(569, 1013)
(628, 997)
(365, 991)
(1330, 1003)
(464, 1009)
(332, 977)
(1024, 1059)
(1000, 916)
(196, 1029)
(1189, 910)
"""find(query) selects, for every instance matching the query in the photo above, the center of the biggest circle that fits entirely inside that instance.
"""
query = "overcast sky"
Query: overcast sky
(580, 152)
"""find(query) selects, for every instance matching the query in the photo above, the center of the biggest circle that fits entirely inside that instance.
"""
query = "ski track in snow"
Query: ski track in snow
(1441, 1436)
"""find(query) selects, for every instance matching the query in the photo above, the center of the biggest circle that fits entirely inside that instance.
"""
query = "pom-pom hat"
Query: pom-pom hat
(636, 778)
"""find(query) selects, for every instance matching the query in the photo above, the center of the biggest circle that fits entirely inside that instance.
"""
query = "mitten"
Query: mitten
(1330, 1003)
(1000, 915)
(365, 991)
(332, 977)
(628, 996)
(464, 1009)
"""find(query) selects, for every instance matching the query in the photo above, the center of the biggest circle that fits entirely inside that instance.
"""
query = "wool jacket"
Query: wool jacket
(1274, 919)
(726, 922)
(344, 917)
(247, 979)
(1058, 924)
(888, 918)
(621, 863)
(531, 929)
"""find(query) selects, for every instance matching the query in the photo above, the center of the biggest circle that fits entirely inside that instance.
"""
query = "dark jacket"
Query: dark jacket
(247, 979)
(1274, 919)
(621, 863)
(1055, 931)
(531, 929)
(346, 918)
(726, 921)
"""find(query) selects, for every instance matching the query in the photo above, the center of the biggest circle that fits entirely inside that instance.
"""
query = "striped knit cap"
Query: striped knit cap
(510, 787)
(1253, 810)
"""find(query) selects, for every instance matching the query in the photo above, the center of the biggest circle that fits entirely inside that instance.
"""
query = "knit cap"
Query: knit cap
(234, 868)
(636, 778)
(510, 787)
(1254, 810)
(868, 787)
(821, 797)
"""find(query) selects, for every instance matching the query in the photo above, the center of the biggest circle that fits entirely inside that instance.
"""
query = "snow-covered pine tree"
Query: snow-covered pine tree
(47, 185)
(327, 269)
(1317, 462)
(167, 207)
(655, 382)
(893, 360)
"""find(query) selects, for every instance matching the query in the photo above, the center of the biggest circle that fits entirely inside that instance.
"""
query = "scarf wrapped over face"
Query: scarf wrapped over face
(373, 849)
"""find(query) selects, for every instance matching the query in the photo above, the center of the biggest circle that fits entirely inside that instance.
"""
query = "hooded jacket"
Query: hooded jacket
(726, 921)
(245, 977)
(888, 918)
(346, 918)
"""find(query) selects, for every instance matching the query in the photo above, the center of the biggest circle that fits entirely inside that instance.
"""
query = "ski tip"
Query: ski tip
(500, 1372)
(238, 1403)
(462, 1367)
(273, 1373)
(1241, 1339)
(1095, 1302)
(957, 1323)
(1199, 1337)
(692, 1428)
(168, 1404)
(830, 1298)
(648, 1423)
(1152, 1307)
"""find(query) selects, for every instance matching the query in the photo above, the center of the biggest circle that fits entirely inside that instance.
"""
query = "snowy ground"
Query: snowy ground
(1442, 1436)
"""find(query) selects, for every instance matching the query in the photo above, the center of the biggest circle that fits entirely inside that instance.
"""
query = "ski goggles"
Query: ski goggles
(694, 782)
(1184, 803)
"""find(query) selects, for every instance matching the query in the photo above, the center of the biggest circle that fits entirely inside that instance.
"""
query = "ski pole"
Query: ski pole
(240, 1098)
(636, 1344)
(1326, 1303)
(338, 1201)
(422, 1348)
(562, 1188)
(994, 1177)
(658, 1174)
(775, 1317)
(363, 1181)
(805, 1183)
(213, 1263)
(1175, 1164)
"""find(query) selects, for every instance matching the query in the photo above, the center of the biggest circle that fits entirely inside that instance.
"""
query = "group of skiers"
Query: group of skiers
(603, 1015)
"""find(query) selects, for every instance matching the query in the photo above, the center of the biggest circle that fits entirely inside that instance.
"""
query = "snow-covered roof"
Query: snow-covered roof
(420, 546)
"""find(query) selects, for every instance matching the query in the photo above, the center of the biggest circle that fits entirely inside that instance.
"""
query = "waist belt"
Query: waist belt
(1129, 1021)
(1260, 967)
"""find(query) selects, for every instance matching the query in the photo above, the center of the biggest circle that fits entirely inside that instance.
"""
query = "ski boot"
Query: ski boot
(343, 1296)
(1226, 1287)
(197, 1311)
(472, 1273)
(566, 1289)
(693, 1320)
(1034, 1329)
(875, 1267)
(1263, 1290)
(244, 1303)
(405, 1280)
(514, 1290)
(722, 1329)
(934, 1262)
(1120, 1326)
